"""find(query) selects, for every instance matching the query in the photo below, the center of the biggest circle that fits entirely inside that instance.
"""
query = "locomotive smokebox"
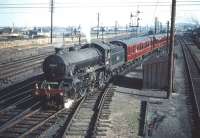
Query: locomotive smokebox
(54, 67)
(58, 49)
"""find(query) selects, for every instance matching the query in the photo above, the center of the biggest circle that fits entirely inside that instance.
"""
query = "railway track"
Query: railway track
(89, 117)
(17, 61)
(16, 102)
(193, 83)
(27, 123)
(14, 114)
(18, 93)
(30, 120)
(11, 69)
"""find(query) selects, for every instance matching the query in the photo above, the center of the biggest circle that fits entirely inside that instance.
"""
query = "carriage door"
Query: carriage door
(153, 43)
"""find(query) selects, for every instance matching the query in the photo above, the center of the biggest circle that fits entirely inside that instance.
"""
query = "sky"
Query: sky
(84, 12)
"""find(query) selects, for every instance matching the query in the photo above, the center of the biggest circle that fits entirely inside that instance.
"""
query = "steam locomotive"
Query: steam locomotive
(76, 73)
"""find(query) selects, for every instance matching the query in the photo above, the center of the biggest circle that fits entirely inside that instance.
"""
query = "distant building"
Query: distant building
(5, 30)
(8, 33)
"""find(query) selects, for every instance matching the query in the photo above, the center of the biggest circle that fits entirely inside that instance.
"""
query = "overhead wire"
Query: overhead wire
(98, 4)
(59, 5)
(10, 4)
(91, 6)
(144, 2)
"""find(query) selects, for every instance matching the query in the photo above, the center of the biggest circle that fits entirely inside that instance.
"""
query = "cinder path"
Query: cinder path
(172, 118)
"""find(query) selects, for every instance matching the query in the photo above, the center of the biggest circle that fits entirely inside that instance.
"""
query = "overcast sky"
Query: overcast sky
(84, 12)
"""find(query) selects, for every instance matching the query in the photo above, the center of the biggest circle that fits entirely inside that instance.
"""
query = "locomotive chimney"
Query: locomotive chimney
(58, 49)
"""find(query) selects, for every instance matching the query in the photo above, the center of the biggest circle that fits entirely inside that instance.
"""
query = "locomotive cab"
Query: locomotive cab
(105, 50)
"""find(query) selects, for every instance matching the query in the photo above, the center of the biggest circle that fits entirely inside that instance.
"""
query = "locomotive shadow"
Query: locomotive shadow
(137, 70)
(128, 82)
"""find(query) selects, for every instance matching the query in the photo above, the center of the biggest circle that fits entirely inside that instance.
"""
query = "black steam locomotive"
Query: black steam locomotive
(76, 73)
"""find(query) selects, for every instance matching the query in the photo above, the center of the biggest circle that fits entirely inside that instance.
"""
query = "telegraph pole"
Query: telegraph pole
(52, 6)
(171, 48)
(98, 25)
(158, 27)
(138, 25)
(102, 30)
(156, 20)
(161, 27)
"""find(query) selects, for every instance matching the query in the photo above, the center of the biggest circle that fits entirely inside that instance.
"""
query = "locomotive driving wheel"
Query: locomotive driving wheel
(82, 92)
(73, 94)
(68, 94)
(91, 88)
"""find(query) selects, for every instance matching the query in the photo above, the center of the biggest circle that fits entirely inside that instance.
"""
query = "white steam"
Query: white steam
(85, 29)
(68, 103)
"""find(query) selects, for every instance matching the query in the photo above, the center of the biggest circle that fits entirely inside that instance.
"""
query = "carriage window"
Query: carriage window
(132, 49)
(129, 49)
